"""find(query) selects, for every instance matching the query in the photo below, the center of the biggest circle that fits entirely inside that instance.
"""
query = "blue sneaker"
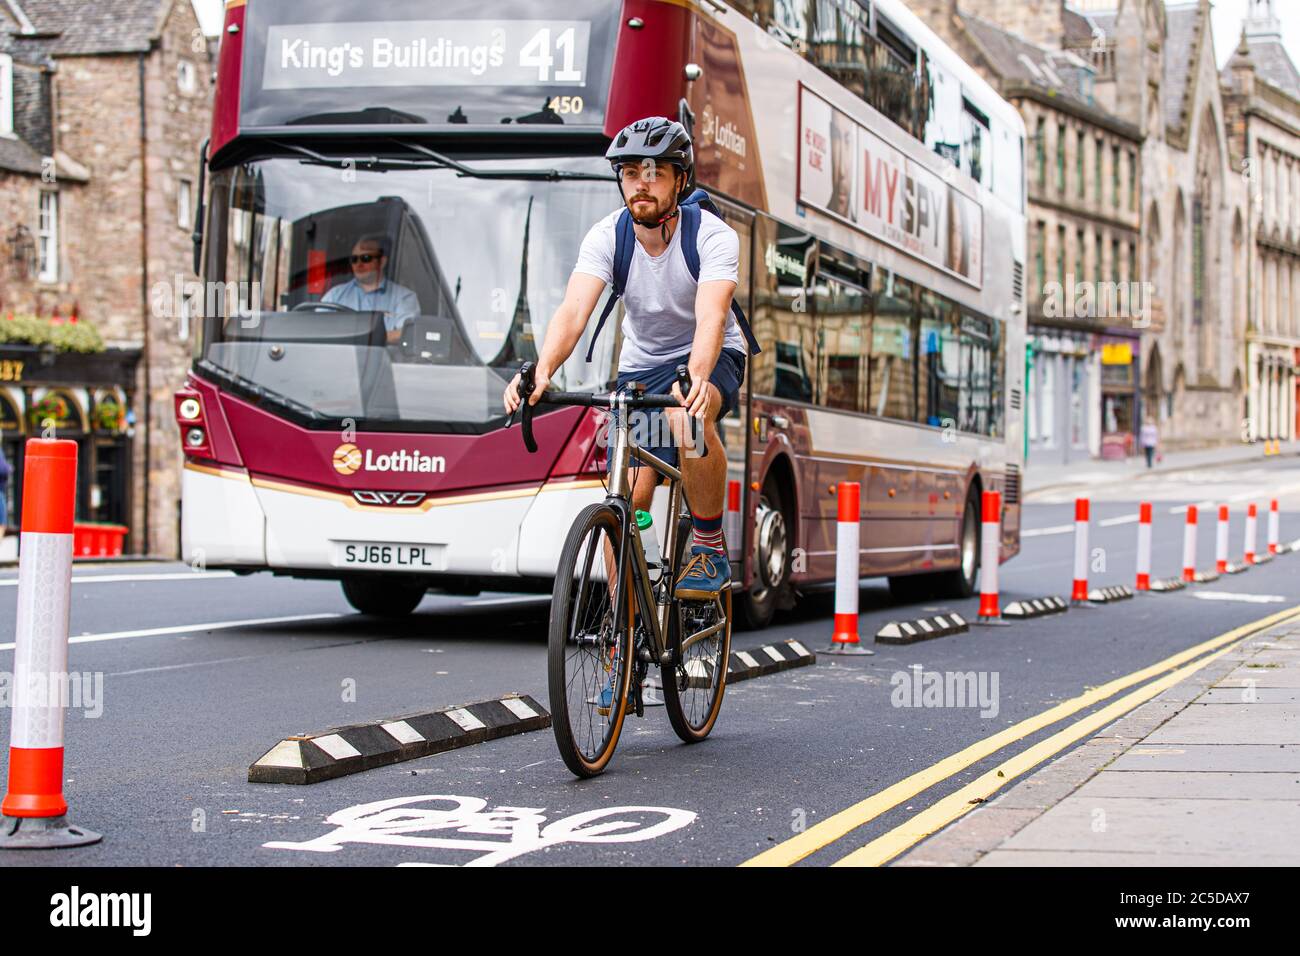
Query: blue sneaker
(706, 573)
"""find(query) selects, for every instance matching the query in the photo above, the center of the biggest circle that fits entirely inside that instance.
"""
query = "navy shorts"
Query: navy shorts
(727, 377)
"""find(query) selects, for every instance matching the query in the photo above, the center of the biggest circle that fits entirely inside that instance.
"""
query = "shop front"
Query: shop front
(1062, 380)
(87, 398)
(1120, 390)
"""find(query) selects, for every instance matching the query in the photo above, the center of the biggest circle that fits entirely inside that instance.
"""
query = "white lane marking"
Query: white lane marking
(518, 708)
(336, 746)
(1055, 529)
(186, 666)
(465, 720)
(1200, 506)
(402, 732)
(510, 600)
(1122, 519)
(189, 629)
(119, 578)
(1243, 598)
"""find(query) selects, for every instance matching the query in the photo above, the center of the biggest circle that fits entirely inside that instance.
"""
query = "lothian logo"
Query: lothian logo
(349, 459)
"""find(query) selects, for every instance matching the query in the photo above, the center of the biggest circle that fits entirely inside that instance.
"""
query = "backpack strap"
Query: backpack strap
(624, 245)
(691, 214)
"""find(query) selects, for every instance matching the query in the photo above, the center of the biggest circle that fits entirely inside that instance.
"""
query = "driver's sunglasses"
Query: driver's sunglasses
(366, 257)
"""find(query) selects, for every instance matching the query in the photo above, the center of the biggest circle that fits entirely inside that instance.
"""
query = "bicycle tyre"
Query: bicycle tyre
(571, 584)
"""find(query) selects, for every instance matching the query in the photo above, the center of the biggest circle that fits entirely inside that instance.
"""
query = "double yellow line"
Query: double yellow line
(1169, 672)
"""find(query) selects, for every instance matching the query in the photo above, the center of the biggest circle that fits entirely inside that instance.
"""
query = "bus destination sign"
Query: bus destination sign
(423, 53)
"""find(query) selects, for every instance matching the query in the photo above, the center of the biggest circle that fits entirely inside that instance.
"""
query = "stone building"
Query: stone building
(1262, 101)
(98, 172)
(1151, 73)
(1085, 196)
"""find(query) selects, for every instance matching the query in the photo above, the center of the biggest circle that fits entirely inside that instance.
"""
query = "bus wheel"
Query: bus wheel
(383, 597)
(754, 609)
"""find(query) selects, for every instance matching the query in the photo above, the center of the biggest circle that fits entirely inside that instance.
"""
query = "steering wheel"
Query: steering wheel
(320, 307)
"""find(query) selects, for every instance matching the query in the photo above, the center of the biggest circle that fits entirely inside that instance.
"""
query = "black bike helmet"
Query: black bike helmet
(656, 137)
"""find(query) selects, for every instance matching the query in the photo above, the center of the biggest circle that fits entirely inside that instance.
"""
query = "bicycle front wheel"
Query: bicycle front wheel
(590, 654)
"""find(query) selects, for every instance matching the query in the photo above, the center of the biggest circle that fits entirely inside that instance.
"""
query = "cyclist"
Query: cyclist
(670, 319)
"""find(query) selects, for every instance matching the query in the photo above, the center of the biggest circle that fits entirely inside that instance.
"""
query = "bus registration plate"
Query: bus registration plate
(398, 557)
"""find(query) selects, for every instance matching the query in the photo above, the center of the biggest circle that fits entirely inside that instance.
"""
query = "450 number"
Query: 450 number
(565, 104)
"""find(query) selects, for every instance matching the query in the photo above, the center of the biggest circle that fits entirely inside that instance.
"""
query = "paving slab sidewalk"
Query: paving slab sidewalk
(1205, 774)
(1042, 477)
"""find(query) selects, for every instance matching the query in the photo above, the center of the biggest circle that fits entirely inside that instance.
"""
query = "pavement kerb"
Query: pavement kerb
(1178, 469)
(972, 836)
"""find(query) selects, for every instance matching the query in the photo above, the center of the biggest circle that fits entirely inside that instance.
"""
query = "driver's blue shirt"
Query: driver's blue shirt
(398, 303)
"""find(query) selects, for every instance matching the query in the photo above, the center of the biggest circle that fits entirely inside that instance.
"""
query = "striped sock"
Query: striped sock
(708, 532)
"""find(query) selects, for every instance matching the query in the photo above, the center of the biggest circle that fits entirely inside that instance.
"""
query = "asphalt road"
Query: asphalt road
(192, 696)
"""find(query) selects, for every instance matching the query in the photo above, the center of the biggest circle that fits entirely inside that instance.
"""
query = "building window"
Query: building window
(1060, 158)
(1132, 182)
(47, 236)
(1060, 256)
(1040, 260)
(1080, 245)
(186, 76)
(6, 95)
(1114, 176)
(1096, 169)
(1132, 262)
(184, 200)
(1098, 263)
(1114, 261)
(1081, 144)
(1040, 156)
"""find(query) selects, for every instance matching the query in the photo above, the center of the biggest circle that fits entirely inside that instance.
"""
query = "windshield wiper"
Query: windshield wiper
(545, 175)
(375, 163)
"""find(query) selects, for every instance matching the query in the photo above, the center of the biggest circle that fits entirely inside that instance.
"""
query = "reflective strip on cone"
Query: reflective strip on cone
(1080, 591)
(847, 563)
(1252, 516)
(41, 637)
(990, 541)
(1144, 547)
(732, 529)
(1273, 529)
(1189, 545)
(1221, 542)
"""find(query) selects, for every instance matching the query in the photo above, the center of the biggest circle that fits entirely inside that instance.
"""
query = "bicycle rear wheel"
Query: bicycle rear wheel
(695, 684)
(589, 660)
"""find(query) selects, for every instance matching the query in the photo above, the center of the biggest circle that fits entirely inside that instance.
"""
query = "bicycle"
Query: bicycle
(610, 619)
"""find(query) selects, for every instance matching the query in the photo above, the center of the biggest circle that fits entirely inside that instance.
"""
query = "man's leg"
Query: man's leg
(705, 478)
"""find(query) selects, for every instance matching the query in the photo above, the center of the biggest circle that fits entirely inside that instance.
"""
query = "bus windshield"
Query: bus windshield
(400, 298)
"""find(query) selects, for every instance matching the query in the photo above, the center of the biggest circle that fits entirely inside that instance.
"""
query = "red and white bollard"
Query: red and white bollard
(1189, 546)
(731, 528)
(1273, 527)
(34, 808)
(1221, 542)
(847, 568)
(1144, 548)
(1252, 517)
(1079, 593)
(990, 549)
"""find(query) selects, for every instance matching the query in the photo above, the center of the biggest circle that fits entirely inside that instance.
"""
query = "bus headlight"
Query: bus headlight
(190, 409)
(195, 438)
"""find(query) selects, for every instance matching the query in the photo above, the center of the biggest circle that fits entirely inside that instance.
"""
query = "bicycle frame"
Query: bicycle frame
(620, 498)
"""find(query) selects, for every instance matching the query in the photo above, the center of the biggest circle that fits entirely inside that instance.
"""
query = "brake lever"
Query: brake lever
(697, 429)
(527, 385)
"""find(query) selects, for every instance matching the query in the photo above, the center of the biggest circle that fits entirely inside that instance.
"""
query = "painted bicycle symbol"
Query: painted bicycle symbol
(447, 822)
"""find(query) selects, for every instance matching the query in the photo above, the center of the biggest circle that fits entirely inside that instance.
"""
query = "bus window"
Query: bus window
(939, 362)
(781, 318)
(842, 309)
(943, 133)
(981, 385)
(977, 153)
(892, 379)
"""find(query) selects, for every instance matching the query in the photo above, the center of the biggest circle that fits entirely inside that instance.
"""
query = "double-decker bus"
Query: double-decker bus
(396, 193)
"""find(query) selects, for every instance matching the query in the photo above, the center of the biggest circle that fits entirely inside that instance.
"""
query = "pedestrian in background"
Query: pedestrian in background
(1149, 438)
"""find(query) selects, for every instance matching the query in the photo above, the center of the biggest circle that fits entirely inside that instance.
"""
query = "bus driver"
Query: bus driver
(370, 289)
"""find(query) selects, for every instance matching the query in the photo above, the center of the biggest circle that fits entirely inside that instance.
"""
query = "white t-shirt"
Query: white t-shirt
(659, 299)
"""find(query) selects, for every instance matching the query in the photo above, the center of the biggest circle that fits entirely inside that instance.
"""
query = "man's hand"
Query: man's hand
(698, 399)
(541, 379)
